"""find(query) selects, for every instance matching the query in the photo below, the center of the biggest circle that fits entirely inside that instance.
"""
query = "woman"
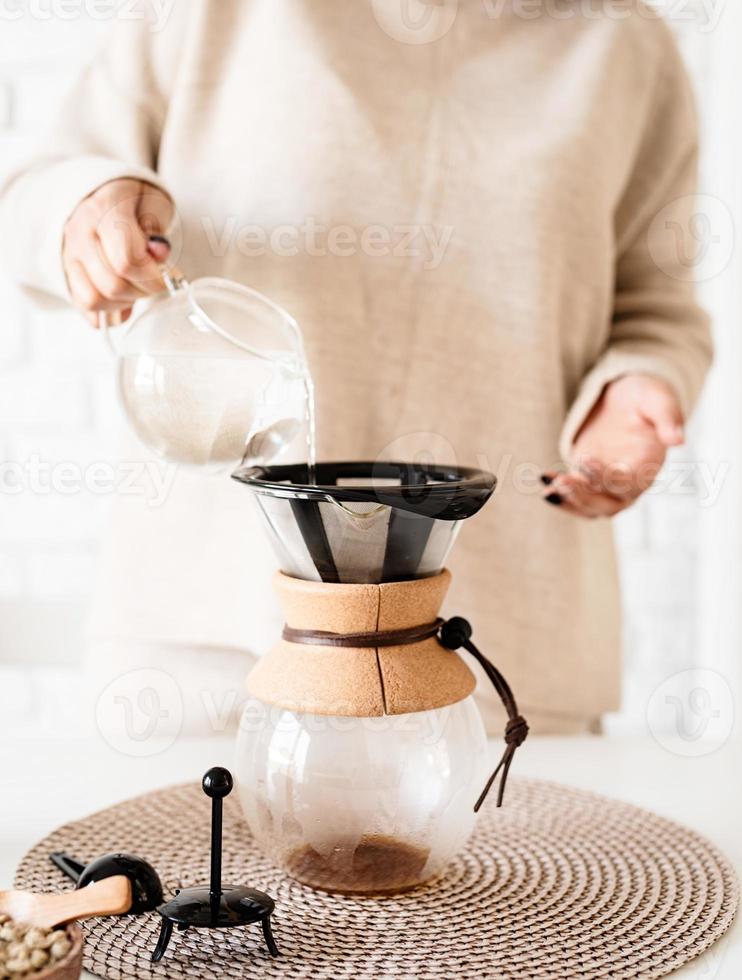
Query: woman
(478, 236)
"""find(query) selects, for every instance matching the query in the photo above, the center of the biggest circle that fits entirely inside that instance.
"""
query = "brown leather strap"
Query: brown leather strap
(390, 638)
(453, 634)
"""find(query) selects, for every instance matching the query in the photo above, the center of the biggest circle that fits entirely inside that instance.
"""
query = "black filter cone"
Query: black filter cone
(366, 522)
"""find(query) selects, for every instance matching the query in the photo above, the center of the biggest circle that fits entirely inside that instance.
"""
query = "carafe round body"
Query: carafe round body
(361, 805)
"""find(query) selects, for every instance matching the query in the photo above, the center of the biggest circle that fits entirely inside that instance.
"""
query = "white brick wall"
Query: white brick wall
(56, 400)
(52, 384)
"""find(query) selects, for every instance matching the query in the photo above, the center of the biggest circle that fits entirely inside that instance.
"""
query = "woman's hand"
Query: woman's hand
(108, 257)
(620, 448)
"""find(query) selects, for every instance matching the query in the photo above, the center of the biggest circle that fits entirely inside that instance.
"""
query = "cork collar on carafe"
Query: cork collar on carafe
(361, 682)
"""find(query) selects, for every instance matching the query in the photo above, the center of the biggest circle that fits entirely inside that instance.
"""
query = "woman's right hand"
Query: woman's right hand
(109, 259)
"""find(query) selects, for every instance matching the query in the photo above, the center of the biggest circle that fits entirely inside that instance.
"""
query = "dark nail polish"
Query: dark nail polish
(546, 479)
(553, 498)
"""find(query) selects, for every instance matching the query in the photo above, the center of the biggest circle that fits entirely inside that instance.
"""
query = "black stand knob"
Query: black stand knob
(216, 906)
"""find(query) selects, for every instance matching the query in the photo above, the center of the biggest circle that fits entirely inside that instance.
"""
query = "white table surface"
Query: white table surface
(46, 782)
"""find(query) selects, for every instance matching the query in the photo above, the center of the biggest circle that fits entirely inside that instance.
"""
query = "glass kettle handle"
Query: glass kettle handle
(104, 326)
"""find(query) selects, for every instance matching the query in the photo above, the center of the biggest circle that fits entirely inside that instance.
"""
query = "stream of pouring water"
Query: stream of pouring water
(311, 420)
(267, 441)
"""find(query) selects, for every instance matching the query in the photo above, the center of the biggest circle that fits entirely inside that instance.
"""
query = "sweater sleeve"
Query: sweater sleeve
(109, 127)
(657, 327)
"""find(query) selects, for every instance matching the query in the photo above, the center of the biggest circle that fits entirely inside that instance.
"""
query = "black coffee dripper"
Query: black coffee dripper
(362, 522)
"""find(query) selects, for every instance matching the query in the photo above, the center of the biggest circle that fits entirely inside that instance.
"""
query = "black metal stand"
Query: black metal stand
(215, 906)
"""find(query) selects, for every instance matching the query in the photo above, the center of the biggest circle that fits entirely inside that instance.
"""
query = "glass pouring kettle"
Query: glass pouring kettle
(212, 372)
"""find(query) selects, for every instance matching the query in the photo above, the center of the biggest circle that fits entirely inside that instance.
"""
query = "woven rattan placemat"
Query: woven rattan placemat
(558, 883)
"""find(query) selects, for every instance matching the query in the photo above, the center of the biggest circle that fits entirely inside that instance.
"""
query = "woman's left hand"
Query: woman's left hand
(620, 449)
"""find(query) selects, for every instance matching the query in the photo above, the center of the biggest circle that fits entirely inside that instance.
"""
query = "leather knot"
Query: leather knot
(516, 731)
(455, 633)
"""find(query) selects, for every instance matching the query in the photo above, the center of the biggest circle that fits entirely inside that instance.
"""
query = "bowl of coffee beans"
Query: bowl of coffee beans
(28, 953)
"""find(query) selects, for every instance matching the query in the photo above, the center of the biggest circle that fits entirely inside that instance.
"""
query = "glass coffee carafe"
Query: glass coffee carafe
(361, 805)
(369, 799)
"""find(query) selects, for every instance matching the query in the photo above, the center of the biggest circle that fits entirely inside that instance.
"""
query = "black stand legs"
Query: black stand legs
(166, 931)
(269, 940)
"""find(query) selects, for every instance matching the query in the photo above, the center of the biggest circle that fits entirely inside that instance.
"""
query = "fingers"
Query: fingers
(125, 245)
(159, 249)
(85, 294)
(616, 480)
(660, 407)
(87, 297)
(109, 284)
(108, 258)
(155, 210)
(108, 320)
(597, 489)
(115, 319)
(623, 480)
(574, 494)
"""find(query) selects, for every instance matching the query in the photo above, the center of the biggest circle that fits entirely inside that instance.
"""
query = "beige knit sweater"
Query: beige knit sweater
(465, 230)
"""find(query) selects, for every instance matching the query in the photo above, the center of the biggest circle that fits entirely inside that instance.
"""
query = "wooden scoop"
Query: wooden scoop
(111, 896)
